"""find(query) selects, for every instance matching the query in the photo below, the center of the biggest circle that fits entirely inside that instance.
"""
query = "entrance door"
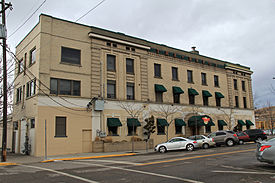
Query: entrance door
(86, 140)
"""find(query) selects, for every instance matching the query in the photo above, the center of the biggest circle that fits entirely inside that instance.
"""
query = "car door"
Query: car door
(220, 136)
(200, 140)
(173, 144)
(182, 144)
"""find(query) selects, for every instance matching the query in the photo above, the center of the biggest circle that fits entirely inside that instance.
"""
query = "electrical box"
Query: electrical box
(99, 105)
(3, 31)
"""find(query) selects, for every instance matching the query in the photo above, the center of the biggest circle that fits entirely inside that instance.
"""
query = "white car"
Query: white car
(203, 141)
(176, 143)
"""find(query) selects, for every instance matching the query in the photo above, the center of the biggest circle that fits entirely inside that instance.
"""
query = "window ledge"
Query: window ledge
(65, 63)
(116, 135)
(158, 77)
(175, 80)
(161, 134)
(191, 82)
(61, 136)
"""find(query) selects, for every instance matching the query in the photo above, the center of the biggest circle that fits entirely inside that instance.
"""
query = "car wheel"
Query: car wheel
(205, 146)
(162, 149)
(229, 142)
(241, 142)
(190, 147)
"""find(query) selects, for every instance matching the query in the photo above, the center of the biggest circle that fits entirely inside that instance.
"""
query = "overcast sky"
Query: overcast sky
(238, 31)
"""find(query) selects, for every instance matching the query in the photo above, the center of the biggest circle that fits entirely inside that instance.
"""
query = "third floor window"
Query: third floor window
(70, 55)
(203, 79)
(175, 73)
(157, 68)
(235, 84)
(243, 85)
(216, 81)
(189, 76)
(129, 66)
(111, 63)
(32, 56)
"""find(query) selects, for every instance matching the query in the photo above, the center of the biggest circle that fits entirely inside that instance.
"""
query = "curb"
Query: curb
(8, 164)
(90, 157)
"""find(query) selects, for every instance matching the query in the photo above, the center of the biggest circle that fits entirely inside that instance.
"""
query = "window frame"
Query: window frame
(160, 130)
(63, 132)
(190, 76)
(132, 85)
(112, 131)
(111, 83)
(19, 92)
(244, 103)
(65, 56)
(131, 67)
(237, 102)
(20, 66)
(175, 74)
(205, 100)
(218, 101)
(111, 66)
(235, 83)
(58, 85)
(32, 54)
(31, 88)
(157, 70)
(191, 99)
(203, 79)
(243, 86)
(159, 97)
(216, 81)
(178, 129)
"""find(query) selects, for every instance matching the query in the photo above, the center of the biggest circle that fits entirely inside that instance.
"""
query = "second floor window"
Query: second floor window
(31, 85)
(111, 89)
(157, 69)
(65, 87)
(175, 73)
(20, 66)
(244, 103)
(129, 66)
(130, 91)
(191, 99)
(189, 76)
(216, 81)
(32, 56)
(70, 55)
(18, 94)
(111, 63)
(235, 84)
(236, 101)
(243, 85)
(203, 79)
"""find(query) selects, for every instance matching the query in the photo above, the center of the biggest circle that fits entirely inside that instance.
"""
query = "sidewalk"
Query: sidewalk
(13, 159)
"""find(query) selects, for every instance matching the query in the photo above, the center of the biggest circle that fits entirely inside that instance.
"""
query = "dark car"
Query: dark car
(243, 137)
(256, 135)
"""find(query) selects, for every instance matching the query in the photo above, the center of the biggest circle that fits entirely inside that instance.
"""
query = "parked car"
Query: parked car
(176, 143)
(203, 141)
(243, 137)
(228, 138)
(256, 135)
(265, 151)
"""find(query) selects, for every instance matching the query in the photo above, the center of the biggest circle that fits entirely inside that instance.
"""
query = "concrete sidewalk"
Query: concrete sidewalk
(14, 159)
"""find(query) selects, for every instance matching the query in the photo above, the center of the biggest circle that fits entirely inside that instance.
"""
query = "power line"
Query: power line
(27, 19)
(90, 10)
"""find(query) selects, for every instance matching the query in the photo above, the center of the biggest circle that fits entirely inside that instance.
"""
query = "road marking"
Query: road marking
(61, 173)
(194, 157)
(243, 172)
(142, 172)
(111, 161)
(236, 168)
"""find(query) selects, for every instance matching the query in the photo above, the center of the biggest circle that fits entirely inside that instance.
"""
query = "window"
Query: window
(18, 94)
(220, 133)
(175, 73)
(208, 129)
(189, 76)
(205, 100)
(244, 103)
(111, 63)
(178, 129)
(108, 44)
(235, 84)
(159, 96)
(191, 99)
(32, 123)
(112, 130)
(220, 127)
(31, 86)
(129, 66)
(60, 126)
(32, 56)
(161, 130)
(70, 55)
(15, 125)
(203, 79)
(65, 87)
(236, 101)
(130, 91)
(243, 85)
(218, 101)
(111, 89)
(157, 68)
(20, 66)
(176, 97)
(216, 81)
(132, 130)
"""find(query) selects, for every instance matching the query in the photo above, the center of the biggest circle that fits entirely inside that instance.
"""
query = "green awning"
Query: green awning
(206, 93)
(249, 123)
(162, 122)
(192, 91)
(133, 122)
(179, 122)
(222, 123)
(210, 123)
(196, 120)
(219, 95)
(160, 88)
(113, 122)
(177, 90)
(241, 123)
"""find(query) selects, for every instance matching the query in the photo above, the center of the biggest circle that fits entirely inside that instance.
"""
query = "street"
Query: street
(222, 164)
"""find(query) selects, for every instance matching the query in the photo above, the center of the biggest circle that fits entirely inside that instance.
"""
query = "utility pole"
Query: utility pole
(5, 97)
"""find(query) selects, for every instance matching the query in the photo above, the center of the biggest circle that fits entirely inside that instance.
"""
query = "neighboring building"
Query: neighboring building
(265, 118)
(10, 130)
(66, 70)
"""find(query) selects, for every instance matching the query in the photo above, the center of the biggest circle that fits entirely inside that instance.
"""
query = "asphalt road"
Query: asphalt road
(222, 164)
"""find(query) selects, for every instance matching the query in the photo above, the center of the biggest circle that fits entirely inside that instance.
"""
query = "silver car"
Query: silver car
(203, 141)
(265, 151)
(176, 143)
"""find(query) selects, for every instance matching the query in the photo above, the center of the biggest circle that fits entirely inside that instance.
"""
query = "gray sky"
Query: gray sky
(238, 31)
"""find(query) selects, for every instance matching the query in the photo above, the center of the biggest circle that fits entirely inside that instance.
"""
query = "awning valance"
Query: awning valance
(249, 123)
(219, 95)
(160, 88)
(210, 123)
(192, 91)
(241, 123)
(179, 122)
(206, 93)
(198, 120)
(113, 122)
(133, 122)
(162, 122)
(177, 90)
(222, 123)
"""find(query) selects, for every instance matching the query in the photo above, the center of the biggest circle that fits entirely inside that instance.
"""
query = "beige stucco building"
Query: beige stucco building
(76, 82)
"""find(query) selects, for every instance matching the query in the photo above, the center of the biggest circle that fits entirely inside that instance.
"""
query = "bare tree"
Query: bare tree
(267, 114)
(169, 113)
(229, 118)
